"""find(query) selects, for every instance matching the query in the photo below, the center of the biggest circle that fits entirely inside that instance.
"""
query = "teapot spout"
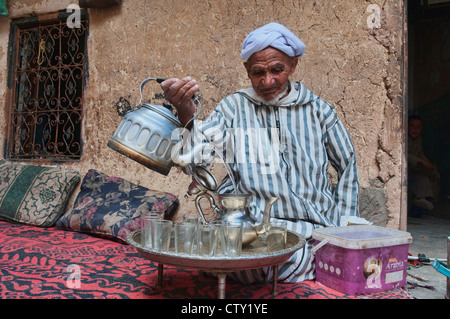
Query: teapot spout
(265, 222)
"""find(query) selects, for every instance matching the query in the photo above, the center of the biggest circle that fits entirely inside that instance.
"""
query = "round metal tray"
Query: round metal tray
(253, 256)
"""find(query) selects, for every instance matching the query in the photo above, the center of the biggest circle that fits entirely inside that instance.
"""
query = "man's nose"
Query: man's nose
(268, 79)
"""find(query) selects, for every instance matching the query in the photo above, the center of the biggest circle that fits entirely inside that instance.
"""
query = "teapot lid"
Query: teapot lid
(164, 111)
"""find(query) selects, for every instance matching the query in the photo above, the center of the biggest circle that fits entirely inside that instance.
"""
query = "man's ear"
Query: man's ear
(247, 67)
(293, 65)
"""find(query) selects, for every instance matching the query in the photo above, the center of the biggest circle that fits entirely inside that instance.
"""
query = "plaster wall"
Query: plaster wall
(353, 61)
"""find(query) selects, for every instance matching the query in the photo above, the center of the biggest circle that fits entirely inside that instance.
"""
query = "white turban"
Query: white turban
(274, 35)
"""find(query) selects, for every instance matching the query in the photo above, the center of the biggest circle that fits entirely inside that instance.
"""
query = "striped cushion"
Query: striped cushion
(34, 195)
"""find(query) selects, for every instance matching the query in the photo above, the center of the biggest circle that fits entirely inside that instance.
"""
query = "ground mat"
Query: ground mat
(48, 263)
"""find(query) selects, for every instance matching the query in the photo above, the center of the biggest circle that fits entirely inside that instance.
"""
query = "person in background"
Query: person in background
(422, 174)
(282, 139)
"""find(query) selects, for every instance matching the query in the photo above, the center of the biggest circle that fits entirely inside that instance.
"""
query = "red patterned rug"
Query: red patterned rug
(48, 263)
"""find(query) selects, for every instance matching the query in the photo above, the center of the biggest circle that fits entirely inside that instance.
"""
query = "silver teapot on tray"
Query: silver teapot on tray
(232, 207)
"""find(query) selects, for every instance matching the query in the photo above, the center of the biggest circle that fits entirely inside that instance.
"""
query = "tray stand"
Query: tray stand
(254, 256)
(222, 278)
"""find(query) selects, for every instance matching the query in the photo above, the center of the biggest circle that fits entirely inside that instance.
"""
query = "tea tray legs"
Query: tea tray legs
(222, 277)
(160, 276)
(222, 282)
(275, 281)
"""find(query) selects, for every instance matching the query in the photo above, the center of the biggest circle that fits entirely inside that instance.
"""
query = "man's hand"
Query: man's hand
(179, 93)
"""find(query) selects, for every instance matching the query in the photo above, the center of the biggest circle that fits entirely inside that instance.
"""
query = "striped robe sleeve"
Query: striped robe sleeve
(342, 157)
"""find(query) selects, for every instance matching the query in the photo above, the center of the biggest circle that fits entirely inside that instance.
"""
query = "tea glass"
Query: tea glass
(196, 221)
(146, 228)
(185, 235)
(276, 236)
(221, 244)
(233, 239)
(207, 239)
(156, 233)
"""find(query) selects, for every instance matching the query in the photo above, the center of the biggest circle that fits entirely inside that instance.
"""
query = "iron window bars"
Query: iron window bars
(48, 80)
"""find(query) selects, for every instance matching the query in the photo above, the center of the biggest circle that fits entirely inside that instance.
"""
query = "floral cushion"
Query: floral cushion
(112, 207)
(34, 195)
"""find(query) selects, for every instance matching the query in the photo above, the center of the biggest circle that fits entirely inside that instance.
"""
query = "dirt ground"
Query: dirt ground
(430, 234)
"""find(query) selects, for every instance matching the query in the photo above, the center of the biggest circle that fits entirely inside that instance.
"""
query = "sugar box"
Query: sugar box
(361, 259)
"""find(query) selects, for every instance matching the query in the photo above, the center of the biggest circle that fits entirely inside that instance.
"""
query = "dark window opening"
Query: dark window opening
(47, 80)
(429, 99)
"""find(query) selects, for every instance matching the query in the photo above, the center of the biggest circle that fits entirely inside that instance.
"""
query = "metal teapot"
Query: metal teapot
(234, 208)
(146, 136)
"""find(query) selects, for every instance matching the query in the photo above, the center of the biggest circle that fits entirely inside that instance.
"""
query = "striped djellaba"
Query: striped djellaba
(284, 150)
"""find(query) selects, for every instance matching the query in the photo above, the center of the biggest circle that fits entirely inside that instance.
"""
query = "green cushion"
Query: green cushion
(34, 195)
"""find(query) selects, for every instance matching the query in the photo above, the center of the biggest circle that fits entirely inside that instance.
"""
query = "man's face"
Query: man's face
(269, 72)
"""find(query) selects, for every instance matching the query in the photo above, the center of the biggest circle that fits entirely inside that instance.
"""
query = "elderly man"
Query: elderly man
(296, 132)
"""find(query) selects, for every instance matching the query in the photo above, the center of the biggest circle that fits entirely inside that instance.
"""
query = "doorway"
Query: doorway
(429, 96)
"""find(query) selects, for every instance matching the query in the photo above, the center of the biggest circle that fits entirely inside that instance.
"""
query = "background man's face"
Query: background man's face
(415, 128)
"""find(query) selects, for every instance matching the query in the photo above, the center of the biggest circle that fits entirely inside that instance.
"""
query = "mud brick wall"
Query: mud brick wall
(354, 60)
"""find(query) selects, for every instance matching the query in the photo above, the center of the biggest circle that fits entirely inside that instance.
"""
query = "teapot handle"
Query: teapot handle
(159, 80)
(199, 209)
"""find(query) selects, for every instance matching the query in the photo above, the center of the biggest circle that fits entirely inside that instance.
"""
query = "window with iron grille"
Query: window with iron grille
(46, 79)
